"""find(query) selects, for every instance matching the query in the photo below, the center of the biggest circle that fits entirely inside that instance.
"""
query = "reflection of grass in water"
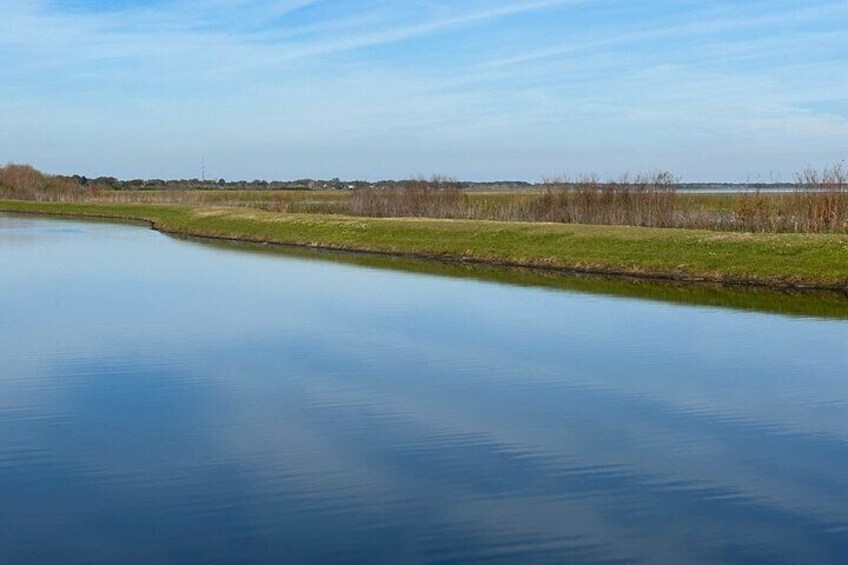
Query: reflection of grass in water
(804, 303)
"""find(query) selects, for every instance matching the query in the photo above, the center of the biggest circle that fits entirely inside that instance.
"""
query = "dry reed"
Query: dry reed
(645, 201)
(817, 204)
(438, 197)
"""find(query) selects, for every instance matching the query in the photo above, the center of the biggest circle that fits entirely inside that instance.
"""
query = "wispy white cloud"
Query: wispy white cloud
(404, 32)
(695, 25)
(379, 88)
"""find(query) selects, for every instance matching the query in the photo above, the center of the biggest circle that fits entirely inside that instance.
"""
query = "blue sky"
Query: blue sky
(477, 89)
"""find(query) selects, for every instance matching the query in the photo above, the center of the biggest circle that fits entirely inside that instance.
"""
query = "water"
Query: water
(164, 401)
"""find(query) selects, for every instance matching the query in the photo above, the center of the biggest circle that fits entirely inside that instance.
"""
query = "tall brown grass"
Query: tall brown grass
(817, 204)
(24, 182)
(438, 197)
(820, 200)
(645, 201)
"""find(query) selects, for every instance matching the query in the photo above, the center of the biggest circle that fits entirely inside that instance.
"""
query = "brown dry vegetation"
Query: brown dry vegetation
(646, 201)
(23, 182)
(818, 203)
(435, 198)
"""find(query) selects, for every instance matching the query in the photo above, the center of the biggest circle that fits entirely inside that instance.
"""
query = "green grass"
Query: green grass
(768, 259)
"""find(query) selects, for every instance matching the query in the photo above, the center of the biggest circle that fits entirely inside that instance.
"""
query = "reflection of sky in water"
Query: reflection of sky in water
(161, 400)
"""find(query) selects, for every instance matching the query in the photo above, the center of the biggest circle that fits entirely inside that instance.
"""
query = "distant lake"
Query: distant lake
(165, 401)
(736, 189)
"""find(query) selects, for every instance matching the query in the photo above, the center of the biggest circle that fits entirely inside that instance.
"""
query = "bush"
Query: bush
(24, 182)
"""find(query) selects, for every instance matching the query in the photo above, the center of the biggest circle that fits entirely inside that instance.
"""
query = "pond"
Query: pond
(173, 402)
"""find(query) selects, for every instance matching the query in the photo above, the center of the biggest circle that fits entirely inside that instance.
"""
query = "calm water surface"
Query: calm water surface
(166, 402)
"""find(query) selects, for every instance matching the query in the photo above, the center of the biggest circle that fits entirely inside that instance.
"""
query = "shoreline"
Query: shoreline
(257, 227)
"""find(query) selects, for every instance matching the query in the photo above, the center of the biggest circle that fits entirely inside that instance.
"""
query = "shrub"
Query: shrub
(24, 182)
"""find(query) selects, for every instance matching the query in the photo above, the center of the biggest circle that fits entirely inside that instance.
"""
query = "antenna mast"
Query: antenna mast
(203, 168)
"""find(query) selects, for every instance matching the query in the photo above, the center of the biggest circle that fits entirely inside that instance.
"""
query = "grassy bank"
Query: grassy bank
(790, 260)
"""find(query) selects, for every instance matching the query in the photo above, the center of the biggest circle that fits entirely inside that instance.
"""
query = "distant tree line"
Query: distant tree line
(257, 184)
(186, 184)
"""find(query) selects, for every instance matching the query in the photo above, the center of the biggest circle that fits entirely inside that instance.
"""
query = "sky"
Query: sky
(473, 89)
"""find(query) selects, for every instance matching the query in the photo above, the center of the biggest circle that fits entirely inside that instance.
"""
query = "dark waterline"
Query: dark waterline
(163, 401)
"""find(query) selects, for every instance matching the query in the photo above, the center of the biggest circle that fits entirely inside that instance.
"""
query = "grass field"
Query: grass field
(785, 260)
(335, 201)
(817, 202)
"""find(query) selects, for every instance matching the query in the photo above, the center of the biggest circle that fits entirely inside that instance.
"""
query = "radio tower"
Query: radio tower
(203, 168)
